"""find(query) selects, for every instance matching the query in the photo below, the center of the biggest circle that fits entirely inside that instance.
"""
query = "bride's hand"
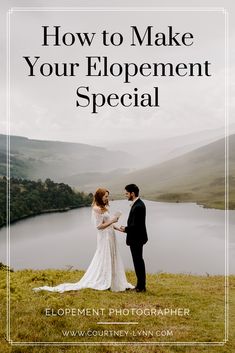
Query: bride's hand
(115, 219)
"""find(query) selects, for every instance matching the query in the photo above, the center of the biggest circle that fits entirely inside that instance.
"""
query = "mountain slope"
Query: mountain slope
(35, 159)
(158, 150)
(196, 176)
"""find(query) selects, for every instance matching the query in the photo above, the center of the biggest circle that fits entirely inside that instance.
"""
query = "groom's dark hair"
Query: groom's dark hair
(132, 188)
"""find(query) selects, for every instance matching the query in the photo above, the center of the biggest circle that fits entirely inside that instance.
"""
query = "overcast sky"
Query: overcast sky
(45, 107)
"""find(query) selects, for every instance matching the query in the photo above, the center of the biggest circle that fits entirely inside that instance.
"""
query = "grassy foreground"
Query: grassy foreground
(202, 295)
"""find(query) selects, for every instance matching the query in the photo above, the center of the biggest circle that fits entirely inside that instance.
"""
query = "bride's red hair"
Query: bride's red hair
(98, 199)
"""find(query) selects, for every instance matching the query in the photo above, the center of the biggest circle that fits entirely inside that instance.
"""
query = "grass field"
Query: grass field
(202, 297)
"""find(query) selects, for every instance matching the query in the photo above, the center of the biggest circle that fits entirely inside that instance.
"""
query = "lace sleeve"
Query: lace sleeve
(97, 217)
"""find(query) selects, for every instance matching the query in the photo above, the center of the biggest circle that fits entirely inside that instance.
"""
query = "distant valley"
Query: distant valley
(196, 175)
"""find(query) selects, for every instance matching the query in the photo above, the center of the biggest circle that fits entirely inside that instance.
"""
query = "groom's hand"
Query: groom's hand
(122, 229)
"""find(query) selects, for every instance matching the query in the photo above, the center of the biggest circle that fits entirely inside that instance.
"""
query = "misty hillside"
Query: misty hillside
(144, 153)
(89, 181)
(158, 150)
(195, 176)
(34, 159)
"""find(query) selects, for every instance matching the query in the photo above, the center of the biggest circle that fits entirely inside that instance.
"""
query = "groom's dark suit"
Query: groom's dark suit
(136, 238)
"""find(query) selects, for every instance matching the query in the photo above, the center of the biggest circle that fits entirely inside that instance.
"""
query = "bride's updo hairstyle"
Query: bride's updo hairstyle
(98, 199)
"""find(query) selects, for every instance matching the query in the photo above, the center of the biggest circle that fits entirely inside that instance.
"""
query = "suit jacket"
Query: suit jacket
(136, 228)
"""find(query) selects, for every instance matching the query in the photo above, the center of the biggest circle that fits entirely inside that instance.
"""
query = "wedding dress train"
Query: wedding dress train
(106, 270)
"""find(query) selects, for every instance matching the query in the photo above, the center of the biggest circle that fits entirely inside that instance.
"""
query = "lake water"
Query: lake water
(183, 238)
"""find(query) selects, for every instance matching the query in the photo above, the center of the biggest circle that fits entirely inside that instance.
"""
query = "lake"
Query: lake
(183, 238)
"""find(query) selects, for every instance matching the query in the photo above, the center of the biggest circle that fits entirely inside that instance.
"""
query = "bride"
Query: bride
(106, 270)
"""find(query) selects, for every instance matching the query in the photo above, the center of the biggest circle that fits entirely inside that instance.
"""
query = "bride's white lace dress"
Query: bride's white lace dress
(106, 270)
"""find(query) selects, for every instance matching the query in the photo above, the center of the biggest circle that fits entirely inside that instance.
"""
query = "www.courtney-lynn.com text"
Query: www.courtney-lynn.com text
(101, 66)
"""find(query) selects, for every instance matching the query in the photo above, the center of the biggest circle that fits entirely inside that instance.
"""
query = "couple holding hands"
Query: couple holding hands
(106, 270)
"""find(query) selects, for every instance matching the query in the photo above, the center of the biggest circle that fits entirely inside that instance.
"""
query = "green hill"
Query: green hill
(34, 159)
(197, 176)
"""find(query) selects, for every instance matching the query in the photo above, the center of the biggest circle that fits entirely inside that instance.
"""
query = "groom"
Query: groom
(136, 234)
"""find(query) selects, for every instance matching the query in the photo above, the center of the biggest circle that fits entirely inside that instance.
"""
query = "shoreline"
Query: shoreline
(54, 210)
(204, 204)
(116, 198)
